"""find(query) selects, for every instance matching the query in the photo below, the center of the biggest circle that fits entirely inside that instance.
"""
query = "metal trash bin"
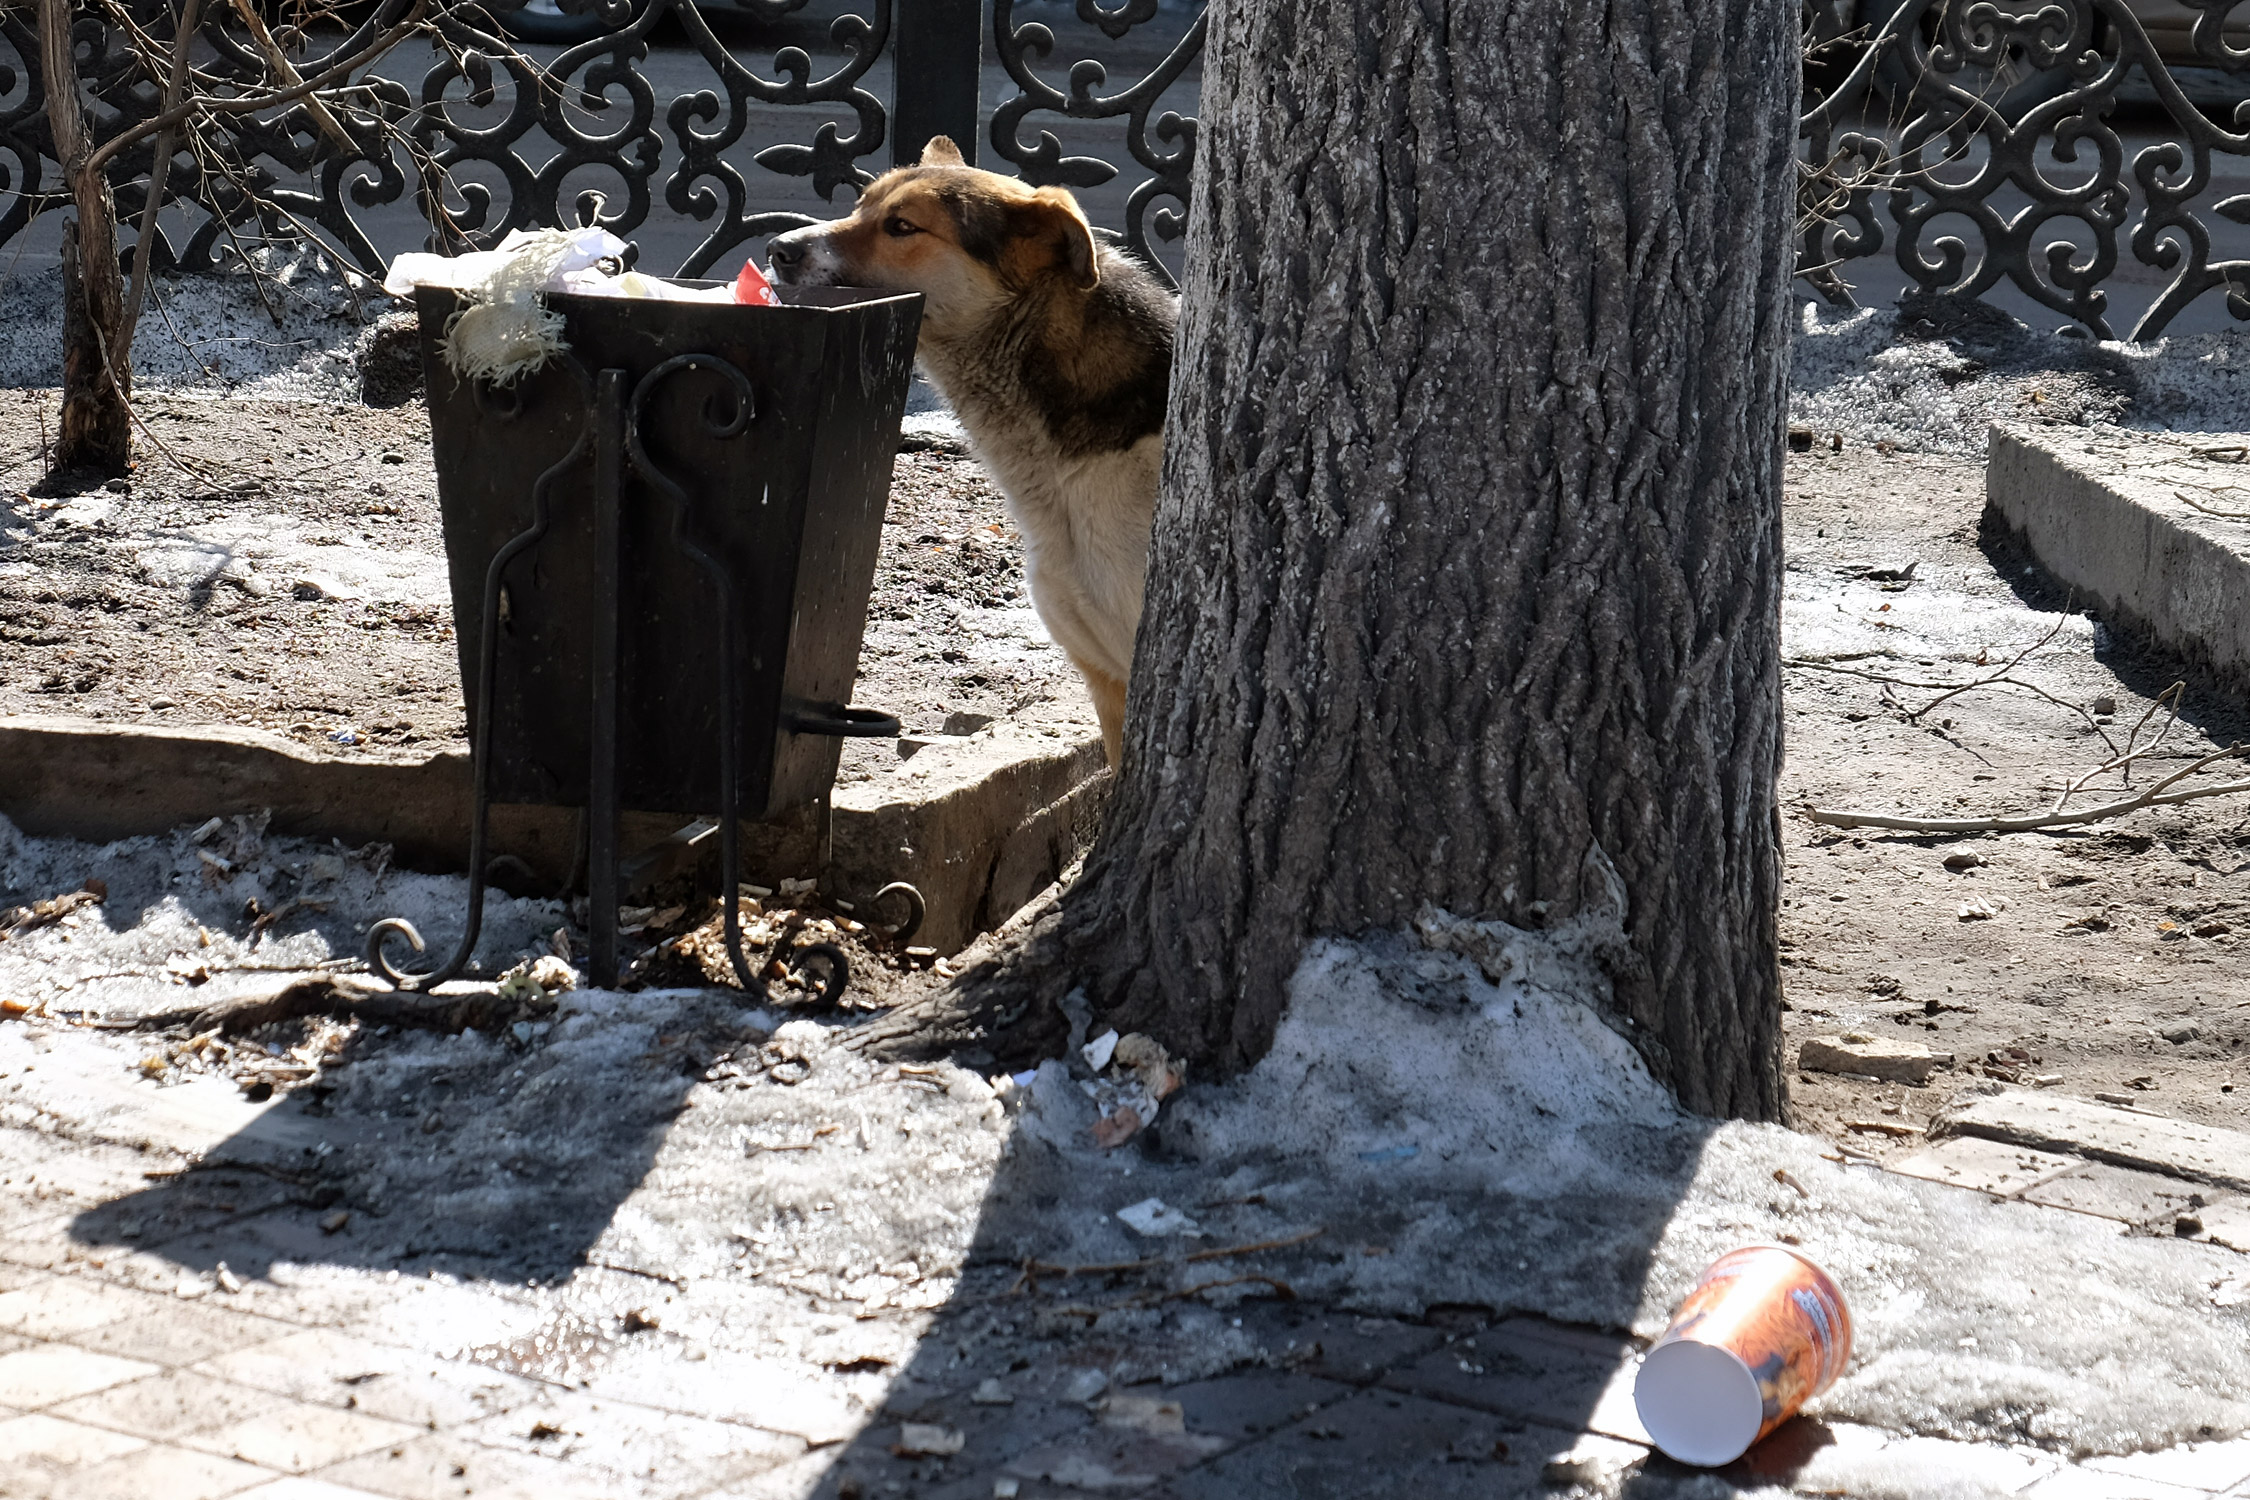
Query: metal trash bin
(661, 547)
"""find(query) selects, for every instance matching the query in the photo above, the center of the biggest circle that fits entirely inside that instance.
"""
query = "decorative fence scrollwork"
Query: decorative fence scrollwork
(2004, 116)
(1981, 143)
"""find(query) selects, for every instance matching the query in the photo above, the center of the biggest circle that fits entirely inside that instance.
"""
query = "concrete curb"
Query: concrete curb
(2102, 514)
(980, 826)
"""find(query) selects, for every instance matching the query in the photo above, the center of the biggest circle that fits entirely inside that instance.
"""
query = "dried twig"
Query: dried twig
(2212, 510)
(2134, 749)
(1947, 691)
(2158, 795)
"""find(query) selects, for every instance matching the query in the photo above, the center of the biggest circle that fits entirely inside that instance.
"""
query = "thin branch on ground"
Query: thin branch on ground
(2212, 510)
(2003, 676)
(2159, 794)
(2134, 749)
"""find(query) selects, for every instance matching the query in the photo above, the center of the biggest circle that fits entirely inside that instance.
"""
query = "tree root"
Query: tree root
(344, 999)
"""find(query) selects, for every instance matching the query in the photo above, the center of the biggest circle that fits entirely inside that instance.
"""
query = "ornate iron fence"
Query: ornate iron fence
(2003, 117)
(1980, 142)
(492, 138)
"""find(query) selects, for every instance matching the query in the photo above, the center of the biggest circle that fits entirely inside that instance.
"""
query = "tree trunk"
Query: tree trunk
(97, 426)
(1466, 574)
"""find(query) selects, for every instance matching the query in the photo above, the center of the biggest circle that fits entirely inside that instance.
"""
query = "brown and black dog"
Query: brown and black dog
(1055, 351)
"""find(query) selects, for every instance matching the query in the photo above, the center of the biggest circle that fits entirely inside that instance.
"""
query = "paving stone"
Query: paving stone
(1919, 1465)
(737, 1388)
(435, 1315)
(297, 1438)
(2226, 1222)
(318, 1365)
(32, 1443)
(444, 1466)
(1380, 1443)
(168, 1331)
(337, 1369)
(1797, 1444)
(636, 1444)
(61, 1306)
(2092, 1484)
(1241, 1407)
(1337, 1346)
(1109, 1458)
(2119, 1193)
(1988, 1166)
(1524, 1369)
(169, 1405)
(47, 1373)
(2195, 1466)
(997, 1433)
(160, 1474)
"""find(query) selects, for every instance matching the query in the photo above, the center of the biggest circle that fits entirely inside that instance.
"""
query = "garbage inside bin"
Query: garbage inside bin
(1762, 1332)
(505, 328)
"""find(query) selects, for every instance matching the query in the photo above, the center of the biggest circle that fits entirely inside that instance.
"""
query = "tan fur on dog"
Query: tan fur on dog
(1056, 353)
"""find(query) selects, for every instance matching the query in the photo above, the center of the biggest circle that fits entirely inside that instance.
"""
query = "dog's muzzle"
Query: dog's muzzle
(799, 258)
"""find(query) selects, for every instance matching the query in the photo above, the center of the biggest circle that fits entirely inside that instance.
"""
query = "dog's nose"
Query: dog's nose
(786, 252)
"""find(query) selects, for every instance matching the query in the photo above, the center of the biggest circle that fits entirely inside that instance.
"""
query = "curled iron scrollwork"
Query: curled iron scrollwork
(2004, 118)
(1165, 147)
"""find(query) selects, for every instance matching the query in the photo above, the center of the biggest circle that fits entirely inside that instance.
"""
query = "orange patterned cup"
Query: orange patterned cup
(1762, 1332)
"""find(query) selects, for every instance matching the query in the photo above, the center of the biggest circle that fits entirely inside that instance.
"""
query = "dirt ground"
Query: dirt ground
(298, 585)
(304, 593)
(2113, 961)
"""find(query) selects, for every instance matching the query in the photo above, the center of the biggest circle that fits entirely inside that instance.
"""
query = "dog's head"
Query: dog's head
(968, 241)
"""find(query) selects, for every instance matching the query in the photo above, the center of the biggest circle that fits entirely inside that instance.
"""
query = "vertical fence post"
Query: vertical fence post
(938, 62)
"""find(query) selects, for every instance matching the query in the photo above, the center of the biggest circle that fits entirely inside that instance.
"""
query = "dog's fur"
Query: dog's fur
(1055, 351)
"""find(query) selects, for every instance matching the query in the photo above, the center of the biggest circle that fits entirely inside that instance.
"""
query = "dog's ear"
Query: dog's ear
(1052, 217)
(941, 152)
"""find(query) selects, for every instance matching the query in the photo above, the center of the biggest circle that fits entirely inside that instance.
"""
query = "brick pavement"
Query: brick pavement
(110, 1390)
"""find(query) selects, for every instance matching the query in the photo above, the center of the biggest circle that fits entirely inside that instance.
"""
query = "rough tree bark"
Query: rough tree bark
(1466, 572)
(97, 423)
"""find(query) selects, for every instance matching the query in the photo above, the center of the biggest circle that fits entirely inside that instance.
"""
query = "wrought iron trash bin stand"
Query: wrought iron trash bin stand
(661, 546)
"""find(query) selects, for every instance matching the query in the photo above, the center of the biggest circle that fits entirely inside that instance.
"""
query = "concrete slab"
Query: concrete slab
(2053, 1122)
(2115, 515)
(978, 823)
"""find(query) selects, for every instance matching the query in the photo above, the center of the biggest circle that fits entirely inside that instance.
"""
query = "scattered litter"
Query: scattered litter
(227, 1280)
(334, 1223)
(537, 979)
(1139, 1413)
(1762, 1331)
(1980, 909)
(992, 1393)
(1004, 1488)
(928, 1440)
(1099, 1051)
(1153, 1217)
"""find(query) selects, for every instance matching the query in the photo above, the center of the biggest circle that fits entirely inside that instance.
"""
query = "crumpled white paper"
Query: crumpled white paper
(506, 330)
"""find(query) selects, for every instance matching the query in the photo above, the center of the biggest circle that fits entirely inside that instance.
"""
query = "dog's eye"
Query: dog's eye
(898, 228)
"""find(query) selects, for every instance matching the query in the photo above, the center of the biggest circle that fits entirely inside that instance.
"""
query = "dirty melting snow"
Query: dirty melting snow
(1449, 1110)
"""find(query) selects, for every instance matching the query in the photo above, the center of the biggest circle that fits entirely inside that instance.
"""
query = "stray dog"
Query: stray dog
(1056, 353)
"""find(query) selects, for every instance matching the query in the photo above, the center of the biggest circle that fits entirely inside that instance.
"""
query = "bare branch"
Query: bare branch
(335, 72)
(2212, 510)
(159, 167)
(2158, 795)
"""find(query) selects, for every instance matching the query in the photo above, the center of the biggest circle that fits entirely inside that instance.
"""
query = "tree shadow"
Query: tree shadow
(1389, 1319)
(1377, 1301)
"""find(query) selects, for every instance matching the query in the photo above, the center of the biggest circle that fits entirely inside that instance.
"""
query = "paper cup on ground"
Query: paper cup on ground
(1763, 1331)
